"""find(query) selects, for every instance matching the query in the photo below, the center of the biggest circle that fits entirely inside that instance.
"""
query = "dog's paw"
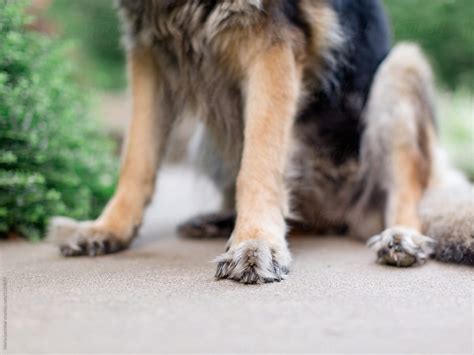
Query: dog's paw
(82, 238)
(218, 225)
(403, 247)
(254, 262)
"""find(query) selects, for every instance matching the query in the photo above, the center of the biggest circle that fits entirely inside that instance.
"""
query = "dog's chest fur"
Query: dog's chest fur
(193, 40)
(195, 44)
(191, 31)
(200, 21)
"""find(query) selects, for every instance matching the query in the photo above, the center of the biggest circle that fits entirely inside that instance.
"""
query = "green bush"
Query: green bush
(444, 28)
(53, 159)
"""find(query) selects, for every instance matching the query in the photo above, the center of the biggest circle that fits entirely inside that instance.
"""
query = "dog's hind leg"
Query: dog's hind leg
(221, 225)
(213, 225)
(208, 226)
(397, 152)
(147, 137)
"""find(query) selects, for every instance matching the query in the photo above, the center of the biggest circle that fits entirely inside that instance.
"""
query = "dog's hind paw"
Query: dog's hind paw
(402, 247)
(82, 238)
(217, 225)
(253, 262)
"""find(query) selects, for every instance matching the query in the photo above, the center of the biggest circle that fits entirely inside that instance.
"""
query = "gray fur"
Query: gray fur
(253, 262)
(187, 40)
(448, 213)
(216, 225)
(78, 239)
(402, 247)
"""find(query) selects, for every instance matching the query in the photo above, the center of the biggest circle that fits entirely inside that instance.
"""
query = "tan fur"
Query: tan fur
(326, 36)
(140, 156)
(242, 68)
(412, 174)
(406, 192)
(271, 101)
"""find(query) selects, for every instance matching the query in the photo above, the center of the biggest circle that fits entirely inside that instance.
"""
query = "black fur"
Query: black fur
(292, 12)
(456, 252)
(335, 110)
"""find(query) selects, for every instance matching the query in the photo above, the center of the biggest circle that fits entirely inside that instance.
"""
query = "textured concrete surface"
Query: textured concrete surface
(160, 296)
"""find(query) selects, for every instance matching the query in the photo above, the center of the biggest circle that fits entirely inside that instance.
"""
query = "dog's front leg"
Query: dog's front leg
(147, 136)
(257, 249)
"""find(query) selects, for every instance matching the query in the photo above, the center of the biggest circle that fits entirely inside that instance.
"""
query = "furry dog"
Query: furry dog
(309, 116)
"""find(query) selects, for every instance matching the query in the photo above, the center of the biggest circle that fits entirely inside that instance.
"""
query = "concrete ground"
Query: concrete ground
(160, 296)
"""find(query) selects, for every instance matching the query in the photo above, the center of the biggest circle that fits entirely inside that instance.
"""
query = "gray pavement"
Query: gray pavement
(160, 296)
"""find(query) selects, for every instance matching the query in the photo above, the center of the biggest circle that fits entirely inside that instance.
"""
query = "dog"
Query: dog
(309, 115)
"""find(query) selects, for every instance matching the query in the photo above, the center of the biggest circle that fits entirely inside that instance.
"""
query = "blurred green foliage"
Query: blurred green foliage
(445, 30)
(456, 121)
(94, 26)
(54, 160)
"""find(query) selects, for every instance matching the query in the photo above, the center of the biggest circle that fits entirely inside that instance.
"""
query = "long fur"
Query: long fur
(306, 112)
(337, 173)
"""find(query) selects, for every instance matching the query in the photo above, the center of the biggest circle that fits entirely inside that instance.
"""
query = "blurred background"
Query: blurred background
(64, 105)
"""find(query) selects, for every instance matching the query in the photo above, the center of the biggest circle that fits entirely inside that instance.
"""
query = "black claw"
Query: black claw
(68, 251)
(222, 268)
(65, 251)
(268, 281)
(106, 247)
(250, 277)
(93, 248)
(209, 226)
(382, 253)
(83, 248)
(115, 246)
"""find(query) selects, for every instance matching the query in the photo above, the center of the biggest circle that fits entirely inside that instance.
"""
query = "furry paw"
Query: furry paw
(82, 238)
(254, 262)
(219, 225)
(402, 247)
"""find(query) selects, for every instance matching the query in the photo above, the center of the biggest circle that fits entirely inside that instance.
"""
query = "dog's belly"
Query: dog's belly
(205, 91)
(330, 187)
(201, 89)
(323, 191)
